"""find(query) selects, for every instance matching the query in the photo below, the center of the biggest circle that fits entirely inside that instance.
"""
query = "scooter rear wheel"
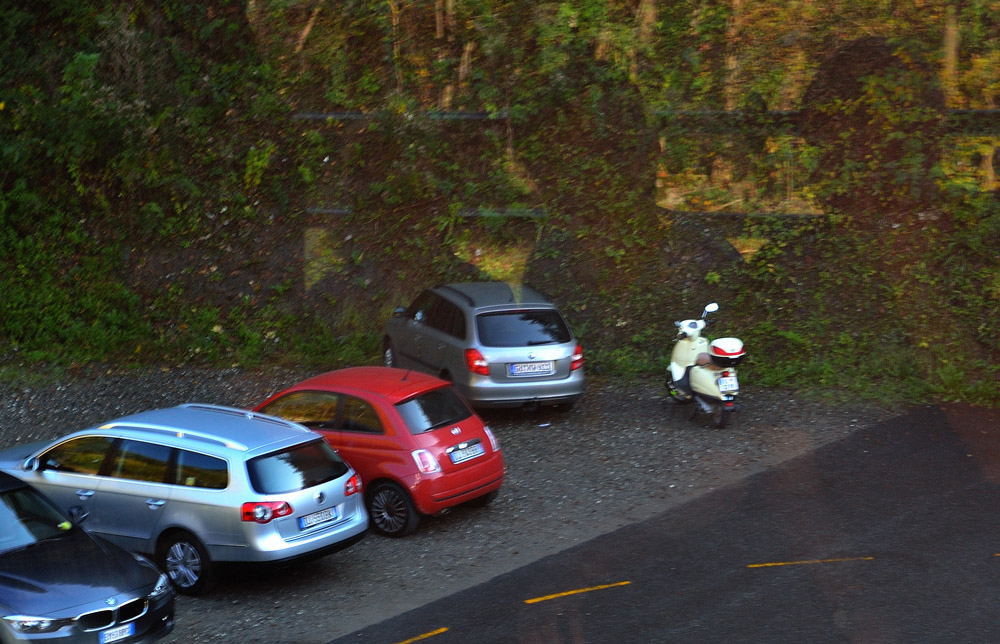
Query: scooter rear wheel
(720, 416)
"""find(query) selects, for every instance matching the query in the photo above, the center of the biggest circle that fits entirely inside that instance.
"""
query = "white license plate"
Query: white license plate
(470, 452)
(543, 368)
(316, 518)
(728, 383)
(117, 634)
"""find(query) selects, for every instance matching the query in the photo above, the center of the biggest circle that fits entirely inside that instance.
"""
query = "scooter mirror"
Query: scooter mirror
(711, 308)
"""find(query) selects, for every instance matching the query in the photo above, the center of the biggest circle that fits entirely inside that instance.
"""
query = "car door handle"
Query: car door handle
(155, 503)
(84, 494)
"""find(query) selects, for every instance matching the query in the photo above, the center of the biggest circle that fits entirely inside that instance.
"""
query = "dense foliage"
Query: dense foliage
(250, 181)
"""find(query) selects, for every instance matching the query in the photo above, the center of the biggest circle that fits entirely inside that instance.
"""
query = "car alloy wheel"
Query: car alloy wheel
(388, 355)
(187, 564)
(392, 511)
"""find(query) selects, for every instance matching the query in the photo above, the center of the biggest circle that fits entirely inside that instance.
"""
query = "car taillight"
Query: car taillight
(264, 511)
(494, 443)
(476, 363)
(577, 359)
(425, 461)
(353, 485)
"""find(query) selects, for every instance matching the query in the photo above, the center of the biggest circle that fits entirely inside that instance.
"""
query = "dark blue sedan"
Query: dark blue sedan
(58, 583)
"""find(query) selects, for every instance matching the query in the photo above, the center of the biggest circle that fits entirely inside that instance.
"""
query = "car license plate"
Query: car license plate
(468, 453)
(316, 518)
(117, 634)
(728, 383)
(543, 368)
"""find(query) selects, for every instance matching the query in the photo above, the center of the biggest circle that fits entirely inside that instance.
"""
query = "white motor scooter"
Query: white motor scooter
(704, 372)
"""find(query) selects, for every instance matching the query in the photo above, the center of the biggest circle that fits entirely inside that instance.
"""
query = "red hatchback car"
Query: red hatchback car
(417, 445)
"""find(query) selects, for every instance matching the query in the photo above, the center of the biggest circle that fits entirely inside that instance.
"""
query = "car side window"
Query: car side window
(360, 416)
(447, 318)
(456, 325)
(316, 409)
(420, 309)
(141, 461)
(82, 455)
(200, 470)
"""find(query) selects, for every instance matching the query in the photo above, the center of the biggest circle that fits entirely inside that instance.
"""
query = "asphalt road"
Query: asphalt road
(890, 535)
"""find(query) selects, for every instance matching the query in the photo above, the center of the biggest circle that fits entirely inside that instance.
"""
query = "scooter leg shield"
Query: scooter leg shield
(678, 390)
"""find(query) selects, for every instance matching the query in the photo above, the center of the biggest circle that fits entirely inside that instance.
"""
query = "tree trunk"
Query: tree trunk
(949, 67)
(730, 88)
(394, 11)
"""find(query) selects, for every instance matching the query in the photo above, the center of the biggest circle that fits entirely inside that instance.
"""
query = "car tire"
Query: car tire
(186, 563)
(388, 353)
(391, 511)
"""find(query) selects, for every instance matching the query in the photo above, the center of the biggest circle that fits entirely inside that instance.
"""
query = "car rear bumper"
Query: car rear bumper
(432, 495)
(269, 547)
(485, 393)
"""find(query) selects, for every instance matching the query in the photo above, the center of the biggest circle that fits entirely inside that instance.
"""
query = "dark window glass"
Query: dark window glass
(439, 315)
(295, 469)
(317, 409)
(421, 306)
(455, 325)
(81, 455)
(201, 470)
(433, 409)
(141, 461)
(359, 416)
(522, 328)
(26, 518)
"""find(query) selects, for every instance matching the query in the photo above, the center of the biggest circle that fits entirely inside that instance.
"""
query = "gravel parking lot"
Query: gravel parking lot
(622, 454)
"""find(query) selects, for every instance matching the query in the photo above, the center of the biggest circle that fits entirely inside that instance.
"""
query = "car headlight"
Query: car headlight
(161, 588)
(28, 624)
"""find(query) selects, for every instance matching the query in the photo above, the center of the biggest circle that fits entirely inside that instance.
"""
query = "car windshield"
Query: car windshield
(433, 409)
(522, 328)
(27, 518)
(295, 469)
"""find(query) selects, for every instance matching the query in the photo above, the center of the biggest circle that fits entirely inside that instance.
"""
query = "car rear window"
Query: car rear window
(294, 469)
(433, 409)
(522, 328)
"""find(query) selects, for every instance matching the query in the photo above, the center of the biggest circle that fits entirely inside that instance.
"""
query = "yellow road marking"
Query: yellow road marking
(812, 561)
(424, 636)
(575, 592)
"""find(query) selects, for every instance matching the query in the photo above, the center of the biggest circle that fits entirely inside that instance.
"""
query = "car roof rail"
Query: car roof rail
(242, 413)
(459, 292)
(179, 433)
(514, 296)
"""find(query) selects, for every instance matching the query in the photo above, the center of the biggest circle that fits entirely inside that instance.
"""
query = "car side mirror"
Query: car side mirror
(33, 464)
(398, 312)
(78, 514)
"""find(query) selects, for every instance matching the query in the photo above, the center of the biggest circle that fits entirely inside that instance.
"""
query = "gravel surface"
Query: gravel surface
(622, 454)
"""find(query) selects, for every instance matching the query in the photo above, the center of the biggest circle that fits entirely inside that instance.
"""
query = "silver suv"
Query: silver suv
(502, 345)
(196, 485)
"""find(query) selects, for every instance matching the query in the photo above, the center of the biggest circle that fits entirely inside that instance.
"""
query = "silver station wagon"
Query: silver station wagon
(501, 345)
(197, 485)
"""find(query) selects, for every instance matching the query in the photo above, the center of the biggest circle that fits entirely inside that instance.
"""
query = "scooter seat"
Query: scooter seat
(703, 358)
